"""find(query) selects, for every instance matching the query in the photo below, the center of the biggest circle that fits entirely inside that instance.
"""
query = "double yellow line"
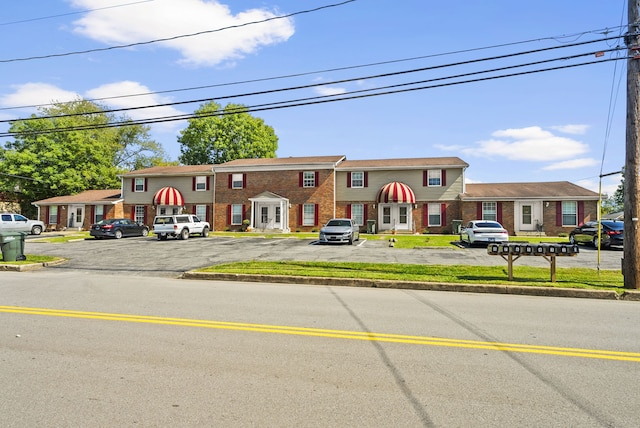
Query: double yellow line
(334, 334)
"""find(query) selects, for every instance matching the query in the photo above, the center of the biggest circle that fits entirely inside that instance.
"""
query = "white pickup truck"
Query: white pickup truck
(11, 222)
(179, 226)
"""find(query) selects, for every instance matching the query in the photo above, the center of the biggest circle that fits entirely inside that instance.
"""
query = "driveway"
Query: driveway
(148, 256)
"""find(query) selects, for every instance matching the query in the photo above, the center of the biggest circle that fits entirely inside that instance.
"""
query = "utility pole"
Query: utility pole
(631, 264)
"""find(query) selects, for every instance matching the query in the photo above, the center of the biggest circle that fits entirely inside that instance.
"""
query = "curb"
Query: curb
(430, 286)
(31, 266)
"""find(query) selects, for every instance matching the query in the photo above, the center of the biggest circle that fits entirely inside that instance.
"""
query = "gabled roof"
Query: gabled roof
(88, 197)
(271, 164)
(169, 170)
(540, 190)
(409, 163)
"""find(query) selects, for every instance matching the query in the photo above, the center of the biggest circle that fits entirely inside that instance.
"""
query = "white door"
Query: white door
(395, 216)
(76, 216)
(528, 216)
(269, 216)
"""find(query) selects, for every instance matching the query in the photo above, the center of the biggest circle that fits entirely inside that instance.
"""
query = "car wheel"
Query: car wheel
(145, 231)
(117, 234)
(205, 232)
(184, 234)
(351, 240)
(595, 241)
(36, 230)
(572, 240)
(162, 237)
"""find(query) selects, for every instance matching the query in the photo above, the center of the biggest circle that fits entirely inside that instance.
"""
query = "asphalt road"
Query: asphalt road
(88, 348)
(148, 256)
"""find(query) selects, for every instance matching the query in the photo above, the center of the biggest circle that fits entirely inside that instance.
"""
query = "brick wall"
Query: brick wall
(282, 183)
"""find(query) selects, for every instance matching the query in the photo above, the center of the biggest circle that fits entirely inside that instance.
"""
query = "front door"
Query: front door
(528, 216)
(76, 216)
(395, 217)
(269, 216)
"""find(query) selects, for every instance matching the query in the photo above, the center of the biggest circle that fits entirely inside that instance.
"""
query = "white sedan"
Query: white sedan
(484, 232)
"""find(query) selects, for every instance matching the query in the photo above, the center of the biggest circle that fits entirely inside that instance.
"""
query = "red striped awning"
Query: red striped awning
(396, 192)
(168, 196)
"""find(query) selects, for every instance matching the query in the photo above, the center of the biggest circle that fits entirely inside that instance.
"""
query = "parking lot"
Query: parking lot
(148, 256)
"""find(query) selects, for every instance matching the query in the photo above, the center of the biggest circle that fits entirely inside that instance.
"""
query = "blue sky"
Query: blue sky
(565, 124)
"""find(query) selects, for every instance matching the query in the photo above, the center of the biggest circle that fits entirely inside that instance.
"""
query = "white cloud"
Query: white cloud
(124, 88)
(528, 144)
(148, 21)
(31, 94)
(571, 164)
(572, 129)
(328, 90)
(449, 148)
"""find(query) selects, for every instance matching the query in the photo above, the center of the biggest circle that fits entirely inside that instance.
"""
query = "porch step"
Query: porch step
(532, 233)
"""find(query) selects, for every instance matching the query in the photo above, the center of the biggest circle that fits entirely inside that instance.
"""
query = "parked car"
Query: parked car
(180, 226)
(483, 232)
(339, 230)
(117, 228)
(611, 233)
(11, 222)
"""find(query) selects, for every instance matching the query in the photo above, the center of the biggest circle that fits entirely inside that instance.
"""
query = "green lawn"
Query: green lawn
(31, 259)
(523, 275)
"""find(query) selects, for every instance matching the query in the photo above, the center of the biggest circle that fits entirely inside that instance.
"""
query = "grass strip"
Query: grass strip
(523, 275)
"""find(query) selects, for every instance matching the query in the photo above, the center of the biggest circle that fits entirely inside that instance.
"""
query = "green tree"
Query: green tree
(222, 135)
(48, 159)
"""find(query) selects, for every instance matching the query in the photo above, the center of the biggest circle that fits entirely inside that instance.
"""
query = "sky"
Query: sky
(425, 78)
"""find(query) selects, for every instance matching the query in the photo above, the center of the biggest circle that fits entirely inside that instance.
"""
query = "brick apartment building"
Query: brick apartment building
(302, 193)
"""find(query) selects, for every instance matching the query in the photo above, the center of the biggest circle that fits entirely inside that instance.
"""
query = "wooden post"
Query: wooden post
(553, 268)
(632, 157)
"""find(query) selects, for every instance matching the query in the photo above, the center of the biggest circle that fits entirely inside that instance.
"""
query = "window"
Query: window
(98, 213)
(357, 214)
(53, 214)
(308, 214)
(435, 215)
(201, 211)
(490, 211)
(201, 183)
(139, 185)
(237, 181)
(570, 213)
(386, 215)
(6, 217)
(139, 214)
(309, 179)
(236, 214)
(357, 179)
(434, 178)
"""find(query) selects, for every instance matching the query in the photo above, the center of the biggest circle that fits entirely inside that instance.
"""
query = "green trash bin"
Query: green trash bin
(456, 225)
(371, 226)
(12, 246)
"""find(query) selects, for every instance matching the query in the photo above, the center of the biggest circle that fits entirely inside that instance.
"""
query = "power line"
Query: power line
(166, 39)
(464, 51)
(299, 102)
(72, 13)
(371, 77)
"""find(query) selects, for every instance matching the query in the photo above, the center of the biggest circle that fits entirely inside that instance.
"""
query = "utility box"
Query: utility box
(456, 226)
(371, 226)
(12, 246)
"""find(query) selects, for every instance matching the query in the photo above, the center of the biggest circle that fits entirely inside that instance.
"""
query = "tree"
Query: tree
(222, 135)
(49, 157)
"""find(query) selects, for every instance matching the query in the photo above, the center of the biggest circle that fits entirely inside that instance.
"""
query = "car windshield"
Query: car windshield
(614, 225)
(339, 223)
(106, 221)
(163, 220)
(488, 225)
